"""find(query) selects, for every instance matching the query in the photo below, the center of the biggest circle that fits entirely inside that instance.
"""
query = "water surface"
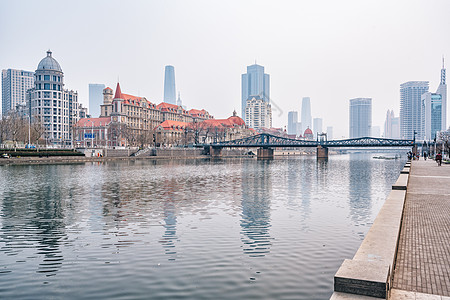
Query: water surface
(197, 229)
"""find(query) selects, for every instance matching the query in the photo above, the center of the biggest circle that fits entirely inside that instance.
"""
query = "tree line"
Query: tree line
(17, 129)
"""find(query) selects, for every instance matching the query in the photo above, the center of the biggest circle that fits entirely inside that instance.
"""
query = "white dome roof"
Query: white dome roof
(49, 63)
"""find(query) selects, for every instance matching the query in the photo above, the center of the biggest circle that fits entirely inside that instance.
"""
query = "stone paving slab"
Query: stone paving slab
(423, 257)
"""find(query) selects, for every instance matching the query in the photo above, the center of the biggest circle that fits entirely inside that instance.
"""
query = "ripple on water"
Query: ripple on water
(232, 229)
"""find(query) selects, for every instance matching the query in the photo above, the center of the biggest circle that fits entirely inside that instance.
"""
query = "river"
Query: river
(186, 229)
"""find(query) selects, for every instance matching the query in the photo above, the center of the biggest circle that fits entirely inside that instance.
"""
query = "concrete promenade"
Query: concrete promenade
(423, 256)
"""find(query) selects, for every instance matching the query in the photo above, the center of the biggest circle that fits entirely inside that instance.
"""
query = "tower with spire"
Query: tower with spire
(442, 90)
(179, 102)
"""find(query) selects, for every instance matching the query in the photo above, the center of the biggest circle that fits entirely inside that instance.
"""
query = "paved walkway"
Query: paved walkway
(423, 258)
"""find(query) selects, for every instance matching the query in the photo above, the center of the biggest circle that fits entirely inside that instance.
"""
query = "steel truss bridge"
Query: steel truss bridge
(265, 140)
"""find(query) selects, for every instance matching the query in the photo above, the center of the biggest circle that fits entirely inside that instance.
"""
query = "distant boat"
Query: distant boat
(387, 157)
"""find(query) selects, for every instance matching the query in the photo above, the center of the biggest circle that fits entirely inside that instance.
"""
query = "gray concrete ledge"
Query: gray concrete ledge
(369, 273)
(401, 183)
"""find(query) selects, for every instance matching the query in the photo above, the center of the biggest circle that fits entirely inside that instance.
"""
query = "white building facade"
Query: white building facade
(56, 107)
(258, 113)
(15, 84)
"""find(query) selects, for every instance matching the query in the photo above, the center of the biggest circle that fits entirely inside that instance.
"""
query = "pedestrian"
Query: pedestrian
(439, 158)
(425, 156)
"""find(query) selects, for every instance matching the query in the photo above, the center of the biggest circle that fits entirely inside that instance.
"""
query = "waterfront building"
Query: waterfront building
(411, 108)
(255, 83)
(299, 129)
(95, 98)
(258, 113)
(376, 131)
(308, 134)
(15, 84)
(55, 106)
(306, 113)
(169, 85)
(434, 107)
(329, 133)
(360, 117)
(292, 122)
(317, 126)
(83, 112)
(93, 132)
(391, 125)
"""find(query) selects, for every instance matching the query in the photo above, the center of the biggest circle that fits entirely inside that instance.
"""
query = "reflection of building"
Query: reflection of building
(255, 83)
(169, 85)
(258, 113)
(255, 222)
(360, 117)
(56, 107)
(95, 98)
(434, 107)
(15, 84)
(411, 108)
(360, 193)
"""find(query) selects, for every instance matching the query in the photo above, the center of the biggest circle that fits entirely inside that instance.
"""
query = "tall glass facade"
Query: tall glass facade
(360, 117)
(255, 83)
(169, 85)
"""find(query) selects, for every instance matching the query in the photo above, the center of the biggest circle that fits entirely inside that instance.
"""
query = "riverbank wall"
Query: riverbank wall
(123, 154)
(370, 272)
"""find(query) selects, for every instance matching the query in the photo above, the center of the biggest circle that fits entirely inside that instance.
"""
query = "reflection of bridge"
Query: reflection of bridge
(266, 142)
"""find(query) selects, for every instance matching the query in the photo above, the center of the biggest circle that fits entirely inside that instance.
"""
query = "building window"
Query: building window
(46, 86)
(54, 78)
(46, 77)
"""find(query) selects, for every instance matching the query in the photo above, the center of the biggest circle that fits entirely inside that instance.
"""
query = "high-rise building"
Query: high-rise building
(306, 113)
(255, 83)
(376, 131)
(317, 126)
(434, 107)
(169, 85)
(95, 98)
(15, 84)
(299, 129)
(411, 108)
(56, 107)
(179, 102)
(292, 122)
(329, 133)
(360, 117)
(258, 113)
(391, 125)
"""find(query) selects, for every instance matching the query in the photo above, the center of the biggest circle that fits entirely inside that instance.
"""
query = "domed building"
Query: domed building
(308, 134)
(56, 107)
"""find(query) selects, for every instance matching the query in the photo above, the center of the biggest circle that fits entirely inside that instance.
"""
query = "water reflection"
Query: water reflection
(360, 196)
(255, 221)
(34, 222)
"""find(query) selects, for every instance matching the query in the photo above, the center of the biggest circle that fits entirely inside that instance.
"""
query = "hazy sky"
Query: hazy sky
(331, 51)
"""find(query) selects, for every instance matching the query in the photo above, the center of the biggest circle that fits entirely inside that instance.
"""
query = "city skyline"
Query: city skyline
(316, 63)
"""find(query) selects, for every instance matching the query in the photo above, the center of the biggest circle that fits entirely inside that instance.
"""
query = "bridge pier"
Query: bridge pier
(322, 152)
(215, 152)
(265, 153)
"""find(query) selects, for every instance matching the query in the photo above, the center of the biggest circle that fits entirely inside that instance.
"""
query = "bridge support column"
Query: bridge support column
(265, 153)
(215, 152)
(322, 152)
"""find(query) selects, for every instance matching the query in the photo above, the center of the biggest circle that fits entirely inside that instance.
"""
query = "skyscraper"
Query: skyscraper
(329, 133)
(258, 113)
(411, 108)
(317, 126)
(292, 122)
(306, 113)
(360, 117)
(15, 84)
(169, 85)
(391, 125)
(255, 83)
(434, 108)
(95, 98)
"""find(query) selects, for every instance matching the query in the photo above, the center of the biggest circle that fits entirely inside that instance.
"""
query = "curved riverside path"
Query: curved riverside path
(423, 256)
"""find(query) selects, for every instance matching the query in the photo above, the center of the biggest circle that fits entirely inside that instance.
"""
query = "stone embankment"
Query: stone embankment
(99, 155)
(405, 254)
